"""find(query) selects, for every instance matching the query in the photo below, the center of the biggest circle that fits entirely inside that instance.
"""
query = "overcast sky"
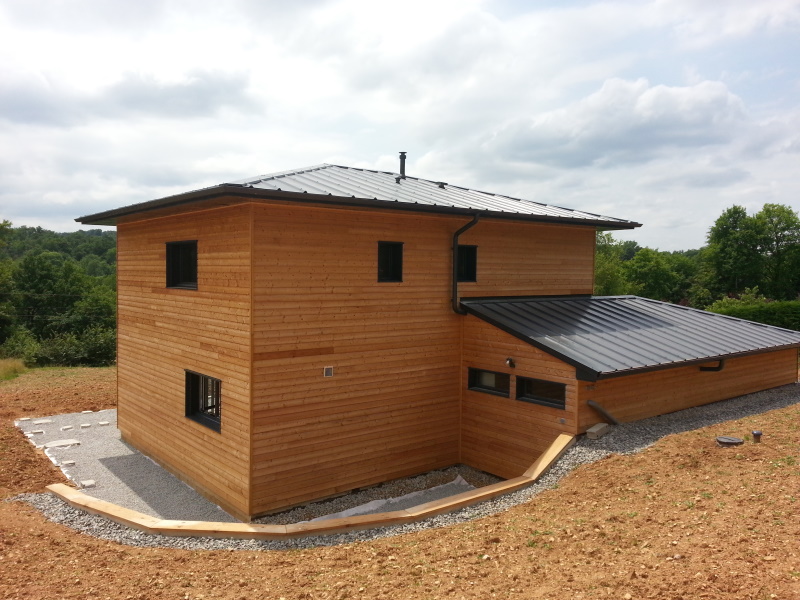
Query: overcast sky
(663, 112)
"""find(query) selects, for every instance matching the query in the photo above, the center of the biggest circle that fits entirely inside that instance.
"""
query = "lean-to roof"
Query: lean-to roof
(619, 335)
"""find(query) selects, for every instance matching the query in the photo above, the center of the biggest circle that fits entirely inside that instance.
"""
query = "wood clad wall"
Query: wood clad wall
(521, 259)
(645, 395)
(164, 331)
(391, 407)
(502, 435)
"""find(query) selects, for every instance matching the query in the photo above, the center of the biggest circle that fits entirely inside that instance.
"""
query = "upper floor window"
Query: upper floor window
(489, 382)
(540, 391)
(467, 269)
(182, 265)
(390, 261)
(204, 399)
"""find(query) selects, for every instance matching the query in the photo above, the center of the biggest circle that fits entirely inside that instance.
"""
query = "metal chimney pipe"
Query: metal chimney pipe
(403, 164)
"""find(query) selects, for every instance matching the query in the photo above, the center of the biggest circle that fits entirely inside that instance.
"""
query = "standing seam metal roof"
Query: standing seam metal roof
(374, 188)
(610, 336)
(342, 181)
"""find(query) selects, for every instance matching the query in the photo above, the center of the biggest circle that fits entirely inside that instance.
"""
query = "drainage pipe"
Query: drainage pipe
(456, 306)
(603, 412)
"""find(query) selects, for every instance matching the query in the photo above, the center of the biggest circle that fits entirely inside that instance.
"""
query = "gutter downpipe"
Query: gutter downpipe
(603, 412)
(456, 307)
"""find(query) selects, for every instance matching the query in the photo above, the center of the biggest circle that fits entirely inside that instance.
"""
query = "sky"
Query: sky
(664, 112)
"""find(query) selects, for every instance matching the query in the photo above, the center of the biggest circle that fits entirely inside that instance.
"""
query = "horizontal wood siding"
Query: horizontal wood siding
(164, 331)
(522, 259)
(659, 392)
(502, 435)
(391, 407)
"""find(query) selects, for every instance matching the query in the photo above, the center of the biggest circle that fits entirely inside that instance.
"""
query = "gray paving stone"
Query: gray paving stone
(62, 443)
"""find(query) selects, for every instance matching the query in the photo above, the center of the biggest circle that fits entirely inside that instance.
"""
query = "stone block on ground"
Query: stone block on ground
(598, 430)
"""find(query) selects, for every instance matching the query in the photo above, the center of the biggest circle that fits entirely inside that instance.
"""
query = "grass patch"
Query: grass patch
(11, 367)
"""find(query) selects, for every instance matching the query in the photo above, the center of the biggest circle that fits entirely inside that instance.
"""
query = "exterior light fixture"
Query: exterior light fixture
(510, 362)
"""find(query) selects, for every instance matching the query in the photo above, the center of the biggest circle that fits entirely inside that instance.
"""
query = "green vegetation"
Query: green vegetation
(750, 268)
(10, 368)
(57, 296)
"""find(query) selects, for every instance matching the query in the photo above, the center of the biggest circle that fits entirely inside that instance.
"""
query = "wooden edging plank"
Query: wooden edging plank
(166, 527)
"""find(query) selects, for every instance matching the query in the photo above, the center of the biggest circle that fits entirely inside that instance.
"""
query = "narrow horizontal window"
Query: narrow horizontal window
(467, 263)
(490, 382)
(204, 399)
(390, 261)
(182, 265)
(540, 391)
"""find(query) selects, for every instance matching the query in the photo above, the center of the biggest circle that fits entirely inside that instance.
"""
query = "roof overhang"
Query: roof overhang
(236, 193)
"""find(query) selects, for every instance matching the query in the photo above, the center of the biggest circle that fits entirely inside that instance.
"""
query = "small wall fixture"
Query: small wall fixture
(327, 371)
(510, 363)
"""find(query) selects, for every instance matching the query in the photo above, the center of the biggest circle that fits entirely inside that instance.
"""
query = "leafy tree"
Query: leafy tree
(629, 249)
(94, 266)
(7, 311)
(652, 275)
(96, 308)
(780, 248)
(609, 275)
(57, 296)
(46, 287)
(735, 242)
(5, 232)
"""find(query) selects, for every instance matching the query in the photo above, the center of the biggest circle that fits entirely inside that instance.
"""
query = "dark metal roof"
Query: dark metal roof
(333, 184)
(619, 335)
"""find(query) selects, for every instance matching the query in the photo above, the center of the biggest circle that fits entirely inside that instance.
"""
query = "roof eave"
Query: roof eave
(112, 217)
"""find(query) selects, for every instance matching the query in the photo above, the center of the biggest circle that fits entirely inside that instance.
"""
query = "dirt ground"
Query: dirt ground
(682, 520)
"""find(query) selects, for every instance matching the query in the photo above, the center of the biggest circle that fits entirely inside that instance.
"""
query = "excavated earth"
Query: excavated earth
(683, 519)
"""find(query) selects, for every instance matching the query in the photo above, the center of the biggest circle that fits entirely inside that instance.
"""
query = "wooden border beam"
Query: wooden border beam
(174, 528)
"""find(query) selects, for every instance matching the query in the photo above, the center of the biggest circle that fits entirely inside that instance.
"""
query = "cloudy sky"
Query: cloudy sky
(664, 112)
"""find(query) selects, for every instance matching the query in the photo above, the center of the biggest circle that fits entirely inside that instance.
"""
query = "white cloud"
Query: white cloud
(656, 111)
(623, 122)
(703, 24)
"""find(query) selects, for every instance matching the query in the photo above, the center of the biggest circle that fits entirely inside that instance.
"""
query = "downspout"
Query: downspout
(603, 412)
(456, 306)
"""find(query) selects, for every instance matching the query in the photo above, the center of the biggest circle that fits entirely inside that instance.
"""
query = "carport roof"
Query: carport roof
(611, 336)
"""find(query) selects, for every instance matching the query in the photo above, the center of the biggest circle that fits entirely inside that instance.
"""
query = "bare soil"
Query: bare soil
(682, 520)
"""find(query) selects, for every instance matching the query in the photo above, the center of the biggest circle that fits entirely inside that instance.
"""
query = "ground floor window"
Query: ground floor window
(489, 382)
(540, 391)
(204, 399)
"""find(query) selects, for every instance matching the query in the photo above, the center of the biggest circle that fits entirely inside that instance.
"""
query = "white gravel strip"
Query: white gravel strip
(623, 439)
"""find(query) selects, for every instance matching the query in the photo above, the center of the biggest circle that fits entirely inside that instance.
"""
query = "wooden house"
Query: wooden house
(301, 334)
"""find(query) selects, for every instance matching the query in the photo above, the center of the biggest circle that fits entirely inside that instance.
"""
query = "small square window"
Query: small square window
(540, 391)
(467, 263)
(204, 399)
(182, 265)
(390, 261)
(490, 382)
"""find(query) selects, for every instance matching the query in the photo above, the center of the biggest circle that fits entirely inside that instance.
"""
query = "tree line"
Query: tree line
(57, 296)
(747, 258)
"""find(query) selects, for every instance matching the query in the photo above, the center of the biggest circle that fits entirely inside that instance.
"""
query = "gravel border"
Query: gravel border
(624, 439)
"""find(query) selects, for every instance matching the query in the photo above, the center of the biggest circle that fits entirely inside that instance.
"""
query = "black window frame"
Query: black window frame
(474, 383)
(467, 267)
(182, 265)
(390, 262)
(197, 387)
(545, 399)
